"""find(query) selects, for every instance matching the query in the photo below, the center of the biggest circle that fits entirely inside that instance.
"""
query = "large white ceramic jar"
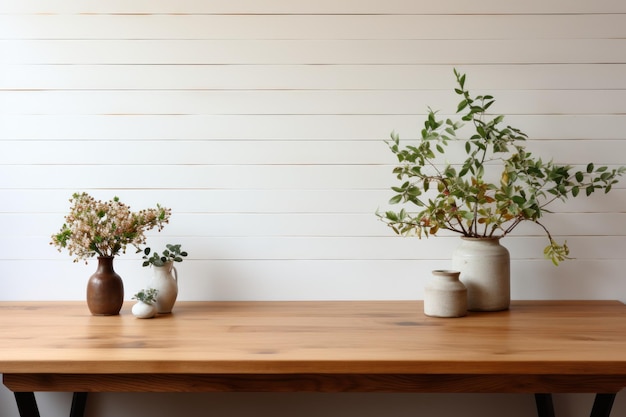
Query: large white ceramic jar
(485, 268)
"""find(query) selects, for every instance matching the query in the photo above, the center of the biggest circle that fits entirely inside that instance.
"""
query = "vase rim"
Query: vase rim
(446, 272)
(481, 237)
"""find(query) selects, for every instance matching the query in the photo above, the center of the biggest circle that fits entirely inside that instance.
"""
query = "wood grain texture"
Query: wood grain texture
(534, 339)
(396, 383)
(549, 346)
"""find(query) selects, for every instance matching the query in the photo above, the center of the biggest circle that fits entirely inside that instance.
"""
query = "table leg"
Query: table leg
(602, 405)
(79, 400)
(27, 404)
(545, 406)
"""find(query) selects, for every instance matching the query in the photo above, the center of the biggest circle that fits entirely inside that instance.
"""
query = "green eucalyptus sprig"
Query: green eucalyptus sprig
(172, 253)
(468, 197)
(147, 296)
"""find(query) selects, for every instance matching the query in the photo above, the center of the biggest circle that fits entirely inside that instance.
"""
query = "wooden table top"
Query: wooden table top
(533, 337)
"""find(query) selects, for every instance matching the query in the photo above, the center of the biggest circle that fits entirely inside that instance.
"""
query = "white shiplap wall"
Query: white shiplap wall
(261, 124)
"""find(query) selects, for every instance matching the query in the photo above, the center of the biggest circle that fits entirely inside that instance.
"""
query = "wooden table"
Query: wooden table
(539, 347)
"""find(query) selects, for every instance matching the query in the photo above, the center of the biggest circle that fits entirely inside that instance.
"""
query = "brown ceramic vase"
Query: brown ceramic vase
(105, 289)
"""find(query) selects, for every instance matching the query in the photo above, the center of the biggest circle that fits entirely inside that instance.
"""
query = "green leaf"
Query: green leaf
(395, 199)
(580, 176)
(391, 216)
(590, 168)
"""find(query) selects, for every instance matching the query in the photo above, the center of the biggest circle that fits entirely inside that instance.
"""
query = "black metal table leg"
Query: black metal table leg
(545, 406)
(26, 404)
(602, 405)
(79, 400)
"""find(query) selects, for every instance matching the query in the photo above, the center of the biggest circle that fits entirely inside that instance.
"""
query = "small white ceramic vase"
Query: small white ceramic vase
(143, 310)
(165, 281)
(445, 295)
(486, 272)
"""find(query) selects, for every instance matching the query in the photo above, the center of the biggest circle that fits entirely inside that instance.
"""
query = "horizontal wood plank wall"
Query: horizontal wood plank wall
(261, 124)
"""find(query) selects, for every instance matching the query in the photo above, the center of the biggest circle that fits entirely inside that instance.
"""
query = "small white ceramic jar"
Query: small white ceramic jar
(445, 295)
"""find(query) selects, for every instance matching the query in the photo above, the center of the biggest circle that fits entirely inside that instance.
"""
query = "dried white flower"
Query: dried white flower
(94, 227)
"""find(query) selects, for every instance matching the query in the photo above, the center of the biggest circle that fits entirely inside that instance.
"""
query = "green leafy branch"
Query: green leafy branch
(172, 253)
(468, 197)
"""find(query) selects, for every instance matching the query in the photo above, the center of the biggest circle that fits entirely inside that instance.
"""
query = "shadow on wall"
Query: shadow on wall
(222, 282)
(568, 281)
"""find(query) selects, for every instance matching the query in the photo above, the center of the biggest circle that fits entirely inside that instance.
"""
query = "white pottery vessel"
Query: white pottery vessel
(485, 268)
(165, 281)
(445, 295)
(143, 310)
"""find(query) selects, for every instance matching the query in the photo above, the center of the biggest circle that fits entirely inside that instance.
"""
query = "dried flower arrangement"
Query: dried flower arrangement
(94, 227)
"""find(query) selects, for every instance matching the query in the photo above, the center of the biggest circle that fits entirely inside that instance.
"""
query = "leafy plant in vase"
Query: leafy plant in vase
(486, 194)
(165, 275)
(105, 229)
(145, 308)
